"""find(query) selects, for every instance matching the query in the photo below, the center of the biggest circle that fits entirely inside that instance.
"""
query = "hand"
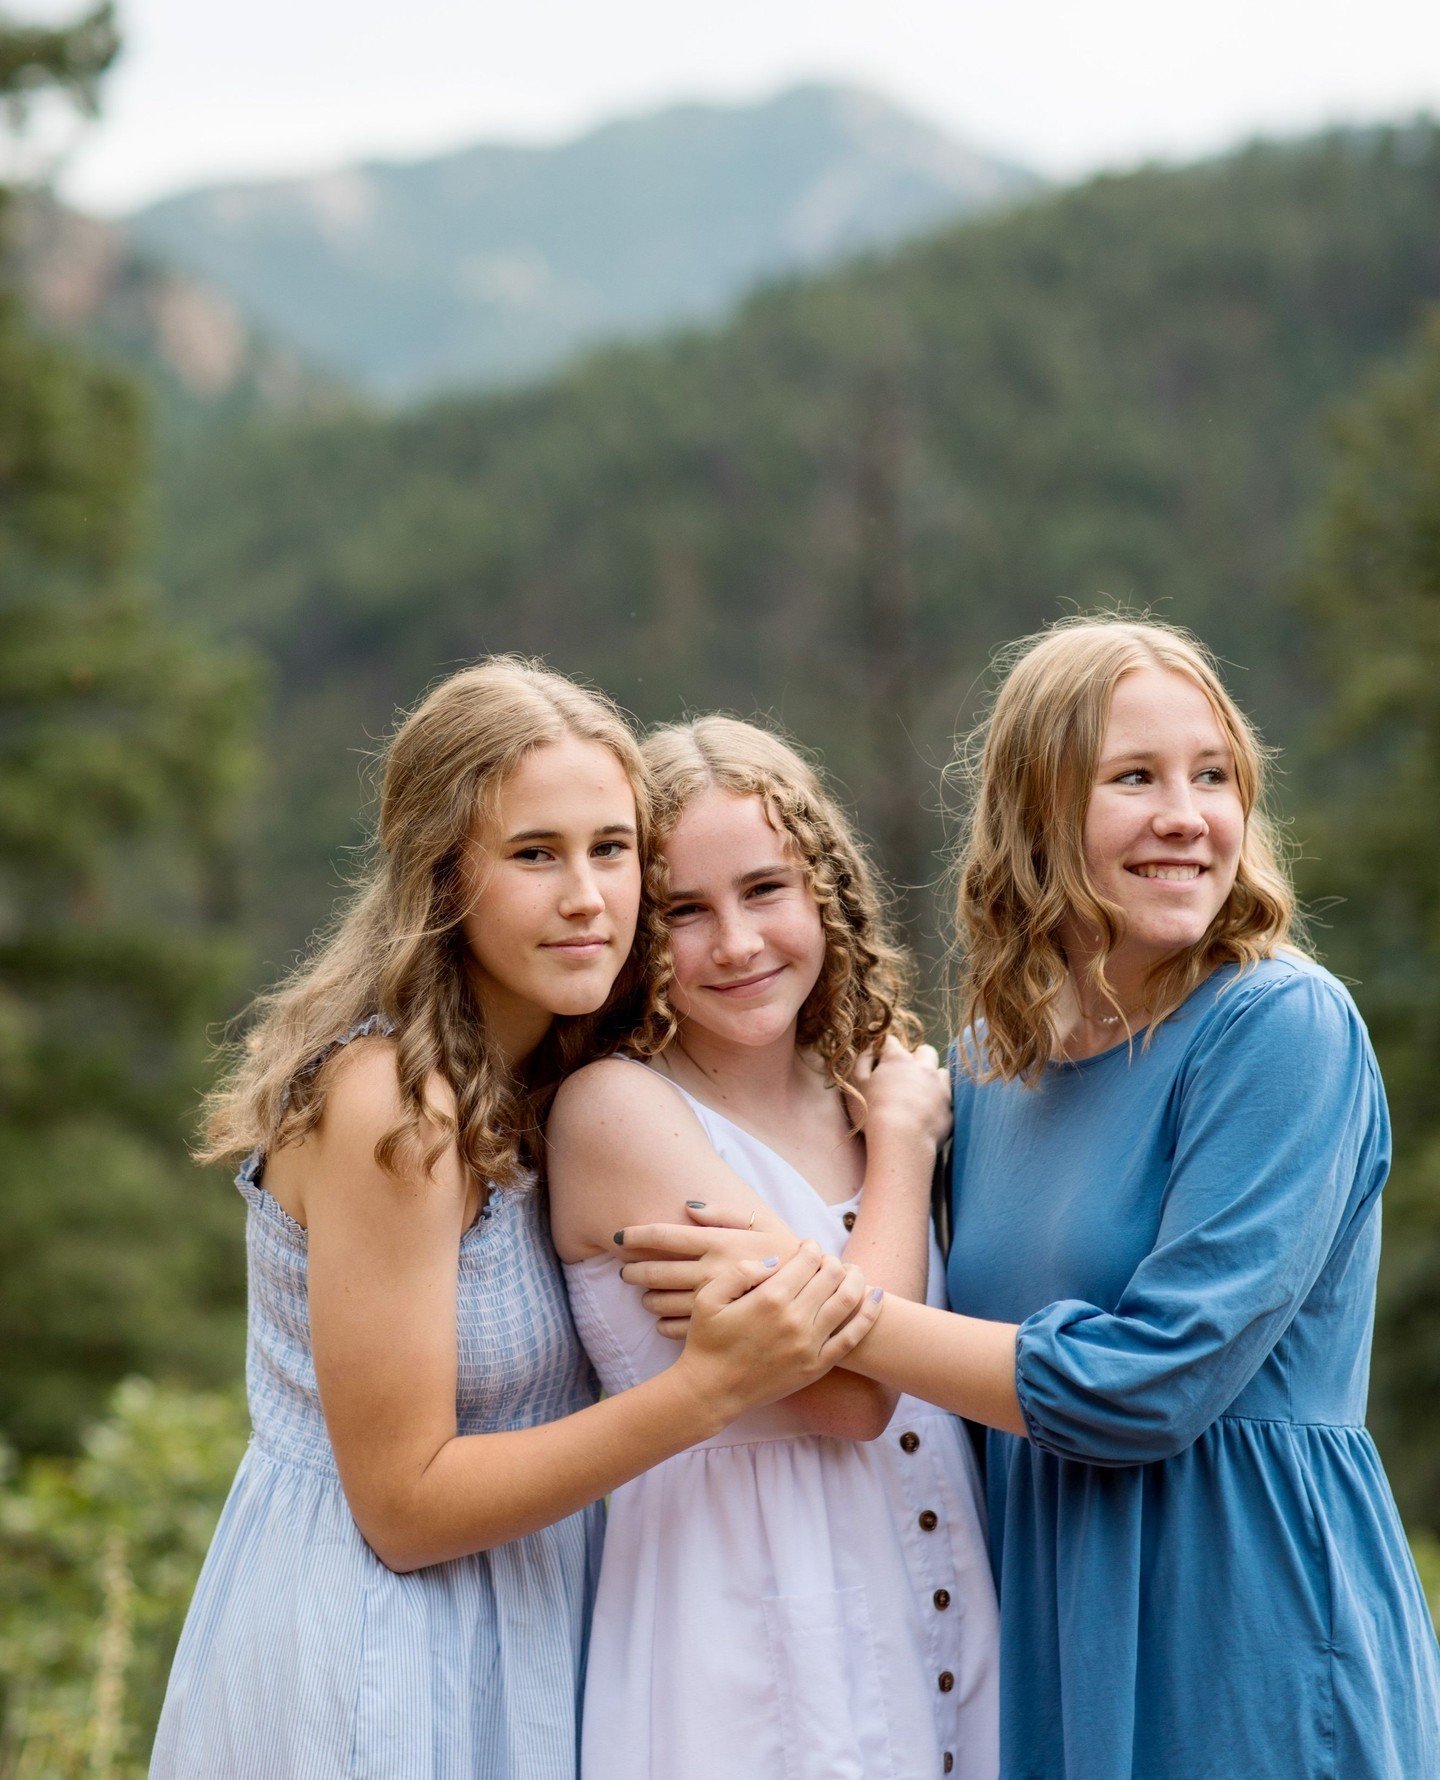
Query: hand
(907, 1095)
(762, 1330)
(673, 1261)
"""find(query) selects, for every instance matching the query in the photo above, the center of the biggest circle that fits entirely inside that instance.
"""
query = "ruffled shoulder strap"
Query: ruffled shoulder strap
(371, 1026)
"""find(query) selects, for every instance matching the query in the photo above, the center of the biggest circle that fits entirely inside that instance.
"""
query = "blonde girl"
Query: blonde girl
(400, 1581)
(805, 1595)
(1170, 1141)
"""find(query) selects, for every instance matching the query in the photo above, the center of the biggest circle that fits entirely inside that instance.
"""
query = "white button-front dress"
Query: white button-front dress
(779, 1605)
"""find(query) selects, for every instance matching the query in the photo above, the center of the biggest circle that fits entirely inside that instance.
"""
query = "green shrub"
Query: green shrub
(101, 1556)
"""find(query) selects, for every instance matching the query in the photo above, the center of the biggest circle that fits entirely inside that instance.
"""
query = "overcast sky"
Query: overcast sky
(219, 89)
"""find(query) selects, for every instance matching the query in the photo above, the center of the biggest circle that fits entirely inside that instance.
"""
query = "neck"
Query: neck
(739, 1075)
(515, 1026)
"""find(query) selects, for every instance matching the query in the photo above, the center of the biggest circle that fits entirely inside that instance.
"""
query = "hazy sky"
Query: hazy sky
(223, 89)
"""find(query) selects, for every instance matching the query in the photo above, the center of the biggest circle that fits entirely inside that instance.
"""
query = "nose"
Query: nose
(581, 898)
(735, 941)
(1179, 814)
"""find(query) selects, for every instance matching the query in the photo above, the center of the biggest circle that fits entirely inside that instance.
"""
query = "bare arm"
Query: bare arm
(961, 1363)
(382, 1287)
(623, 1147)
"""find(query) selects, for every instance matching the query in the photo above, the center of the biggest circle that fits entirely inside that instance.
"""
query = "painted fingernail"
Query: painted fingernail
(619, 1236)
(877, 1294)
(696, 1204)
(771, 1261)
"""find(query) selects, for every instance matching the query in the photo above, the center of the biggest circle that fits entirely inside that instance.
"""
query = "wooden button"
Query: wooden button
(909, 1442)
(942, 1599)
(929, 1520)
(947, 1681)
(949, 1761)
(849, 1220)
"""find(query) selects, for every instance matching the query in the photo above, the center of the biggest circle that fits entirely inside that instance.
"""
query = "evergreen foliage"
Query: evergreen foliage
(1373, 587)
(120, 759)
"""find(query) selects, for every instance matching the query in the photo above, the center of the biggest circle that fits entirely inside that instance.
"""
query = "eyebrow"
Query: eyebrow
(554, 834)
(1152, 754)
(749, 877)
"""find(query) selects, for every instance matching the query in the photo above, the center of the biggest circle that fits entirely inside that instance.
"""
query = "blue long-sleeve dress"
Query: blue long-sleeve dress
(1201, 1571)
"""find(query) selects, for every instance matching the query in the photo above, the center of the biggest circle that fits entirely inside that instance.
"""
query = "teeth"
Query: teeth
(1174, 874)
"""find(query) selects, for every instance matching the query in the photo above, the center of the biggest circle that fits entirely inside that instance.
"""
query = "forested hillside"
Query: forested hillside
(836, 506)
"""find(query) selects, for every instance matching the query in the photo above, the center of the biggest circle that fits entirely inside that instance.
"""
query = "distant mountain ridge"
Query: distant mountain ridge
(85, 278)
(490, 265)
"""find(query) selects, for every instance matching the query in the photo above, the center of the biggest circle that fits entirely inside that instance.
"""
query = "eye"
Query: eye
(531, 855)
(681, 910)
(610, 849)
(1215, 775)
(1137, 775)
(766, 888)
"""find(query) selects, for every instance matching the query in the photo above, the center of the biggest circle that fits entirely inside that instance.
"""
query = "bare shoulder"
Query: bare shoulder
(623, 1147)
(336, 1160)
(615, 1101)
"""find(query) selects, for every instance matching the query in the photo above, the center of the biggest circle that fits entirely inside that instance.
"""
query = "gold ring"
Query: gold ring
(751, 1224)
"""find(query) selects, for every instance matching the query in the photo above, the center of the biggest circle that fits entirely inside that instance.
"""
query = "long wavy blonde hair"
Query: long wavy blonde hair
(1021, 870)
(859, 996)
(397, 949)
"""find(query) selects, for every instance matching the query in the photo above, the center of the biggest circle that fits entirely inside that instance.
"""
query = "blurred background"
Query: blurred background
(786, 363)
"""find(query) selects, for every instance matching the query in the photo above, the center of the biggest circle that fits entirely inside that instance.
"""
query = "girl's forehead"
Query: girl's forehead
(719, 823)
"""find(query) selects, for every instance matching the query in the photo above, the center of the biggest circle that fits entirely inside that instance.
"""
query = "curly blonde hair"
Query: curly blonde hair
(859, 996)
(398, 949)
(1021, 869)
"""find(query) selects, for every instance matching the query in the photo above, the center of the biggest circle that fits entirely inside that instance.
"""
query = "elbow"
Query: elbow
(1117, 1434)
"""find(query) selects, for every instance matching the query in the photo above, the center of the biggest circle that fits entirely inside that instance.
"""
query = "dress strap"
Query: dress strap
(373, 1025)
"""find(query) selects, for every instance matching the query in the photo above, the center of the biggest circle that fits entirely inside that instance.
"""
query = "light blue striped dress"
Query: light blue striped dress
(303, 1657)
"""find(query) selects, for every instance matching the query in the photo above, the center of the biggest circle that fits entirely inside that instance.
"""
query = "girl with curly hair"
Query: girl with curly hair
(1170, 1143)
(400, 1581)
(805, 1595)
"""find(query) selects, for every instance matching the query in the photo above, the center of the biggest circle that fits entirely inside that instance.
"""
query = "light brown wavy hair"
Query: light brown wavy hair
(1021, 870)
(859, 996)
(398, 949)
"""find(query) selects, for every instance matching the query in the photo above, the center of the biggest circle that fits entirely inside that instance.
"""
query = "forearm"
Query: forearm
(890, 1244)
(483, 1490)
(960, 1363)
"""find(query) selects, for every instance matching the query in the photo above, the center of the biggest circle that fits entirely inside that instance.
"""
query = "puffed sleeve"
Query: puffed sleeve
(1282, 1139)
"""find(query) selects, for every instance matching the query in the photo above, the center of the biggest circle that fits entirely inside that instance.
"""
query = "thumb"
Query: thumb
(735, 1281)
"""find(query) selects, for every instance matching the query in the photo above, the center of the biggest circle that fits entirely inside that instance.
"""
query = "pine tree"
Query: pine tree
(121, 752)
(1373, 587)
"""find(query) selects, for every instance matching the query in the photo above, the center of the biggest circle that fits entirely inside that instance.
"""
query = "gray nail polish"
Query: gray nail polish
(696, 1204)
(877, 1294)
(771, 1261)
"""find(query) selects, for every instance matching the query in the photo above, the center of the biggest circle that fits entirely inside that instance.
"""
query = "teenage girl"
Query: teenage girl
(400, 1581)
(1170, 1143)
(805, 1595)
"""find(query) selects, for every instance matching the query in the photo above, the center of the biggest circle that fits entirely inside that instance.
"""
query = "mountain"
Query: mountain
(490, 265)
(835, 506)
(86, 280)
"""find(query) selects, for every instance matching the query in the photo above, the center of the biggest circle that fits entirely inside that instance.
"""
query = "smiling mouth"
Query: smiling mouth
(746, 983)
(1167, 874)
(593, 942)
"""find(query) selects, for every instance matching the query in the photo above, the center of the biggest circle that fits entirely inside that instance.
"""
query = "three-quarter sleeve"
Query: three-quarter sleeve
(1281, 1141)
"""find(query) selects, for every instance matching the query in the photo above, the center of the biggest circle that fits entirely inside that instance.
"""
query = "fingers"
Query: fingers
(668, 1304)
(680, 1241)
(849, 1336)
(844, 1301)
(817, 1291)
(665, 1276)
(754, 1216)
(740, 1277)
(674, 1328)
